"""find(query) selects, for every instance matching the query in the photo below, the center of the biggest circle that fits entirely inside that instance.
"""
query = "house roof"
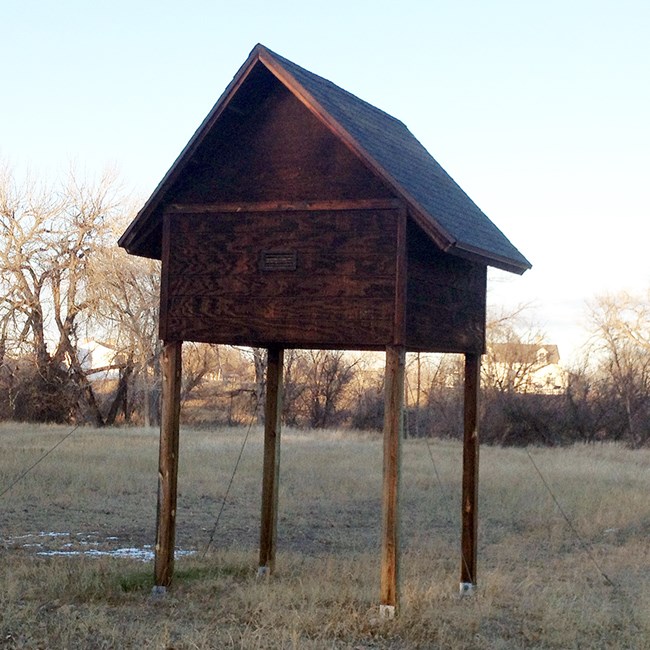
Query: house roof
(525, 353)
(436, 202)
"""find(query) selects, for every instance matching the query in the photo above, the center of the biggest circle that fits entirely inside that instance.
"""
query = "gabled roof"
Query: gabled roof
(383, 143)
(525, 353)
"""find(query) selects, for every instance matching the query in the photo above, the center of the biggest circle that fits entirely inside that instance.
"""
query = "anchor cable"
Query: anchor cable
(230, 482)
(566, 517)
(23, 474)
(626, 599)
(450, 516)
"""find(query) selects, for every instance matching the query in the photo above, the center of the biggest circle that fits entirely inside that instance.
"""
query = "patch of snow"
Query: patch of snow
(83, 544)
(132, 553)
(44, 534)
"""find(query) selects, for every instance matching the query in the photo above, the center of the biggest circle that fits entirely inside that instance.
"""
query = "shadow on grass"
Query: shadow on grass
(143, 580)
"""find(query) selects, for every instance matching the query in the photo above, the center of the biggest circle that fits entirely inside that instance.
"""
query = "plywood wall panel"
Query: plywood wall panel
(445, 299)
(341, 293)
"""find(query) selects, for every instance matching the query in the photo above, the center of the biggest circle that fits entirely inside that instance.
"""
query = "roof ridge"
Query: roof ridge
(390, 150)
(288, 64)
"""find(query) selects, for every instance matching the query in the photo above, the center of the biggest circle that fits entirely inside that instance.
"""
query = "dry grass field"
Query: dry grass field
(74, 532)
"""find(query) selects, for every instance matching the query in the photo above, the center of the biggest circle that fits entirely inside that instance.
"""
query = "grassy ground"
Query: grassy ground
(541, 584)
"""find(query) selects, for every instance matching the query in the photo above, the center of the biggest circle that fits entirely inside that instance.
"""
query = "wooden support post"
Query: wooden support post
(170, 363)
(271, 470)
(393, 423)
(470, 474)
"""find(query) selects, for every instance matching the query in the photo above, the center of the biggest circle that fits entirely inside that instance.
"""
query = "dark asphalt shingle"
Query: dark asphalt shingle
(389, 142)
(387, 146)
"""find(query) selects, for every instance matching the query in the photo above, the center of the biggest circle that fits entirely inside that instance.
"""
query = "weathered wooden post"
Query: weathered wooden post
(171, 365)
(393, 419)
(271, 470)
(470, 474)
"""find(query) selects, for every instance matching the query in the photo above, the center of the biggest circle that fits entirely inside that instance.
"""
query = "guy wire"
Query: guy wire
(627, 600)
(584, 545)
(230, 482)
(450, 515)
(21, 476)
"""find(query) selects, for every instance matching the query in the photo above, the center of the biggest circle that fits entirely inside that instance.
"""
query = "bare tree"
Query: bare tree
(294, 387)
(621, 345)
(49, 238)
(326, 373)
(25, 215)
(432, 394)
(126, 298)
(200, 360)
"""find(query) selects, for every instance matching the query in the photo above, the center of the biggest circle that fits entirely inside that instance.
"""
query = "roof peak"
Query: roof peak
(288, 65)
(382, 142)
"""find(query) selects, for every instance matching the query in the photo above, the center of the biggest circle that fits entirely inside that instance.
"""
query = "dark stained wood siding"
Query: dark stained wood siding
(269, 146)
(445, 309)
(341, 295)
(266, 158)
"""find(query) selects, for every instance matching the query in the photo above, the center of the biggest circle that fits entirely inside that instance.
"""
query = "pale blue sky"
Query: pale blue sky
(540, 111)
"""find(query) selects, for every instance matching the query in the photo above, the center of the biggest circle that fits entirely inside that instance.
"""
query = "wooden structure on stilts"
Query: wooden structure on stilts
(299, 216)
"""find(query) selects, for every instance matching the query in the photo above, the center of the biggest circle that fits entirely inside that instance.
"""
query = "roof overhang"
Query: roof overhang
(147, 220)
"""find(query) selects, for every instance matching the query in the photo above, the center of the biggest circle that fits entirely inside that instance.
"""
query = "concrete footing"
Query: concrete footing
(467, 588)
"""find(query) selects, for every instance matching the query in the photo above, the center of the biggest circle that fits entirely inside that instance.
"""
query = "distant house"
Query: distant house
(525, 368)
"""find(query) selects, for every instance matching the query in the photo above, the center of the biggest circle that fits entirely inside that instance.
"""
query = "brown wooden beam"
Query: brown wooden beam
(470, 474)
(171, 365)
(399, 323)
(286, 206)
(393, 422)
(271, 469)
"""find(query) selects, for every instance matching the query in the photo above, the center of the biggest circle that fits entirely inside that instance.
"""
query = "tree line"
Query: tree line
(64, 282)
